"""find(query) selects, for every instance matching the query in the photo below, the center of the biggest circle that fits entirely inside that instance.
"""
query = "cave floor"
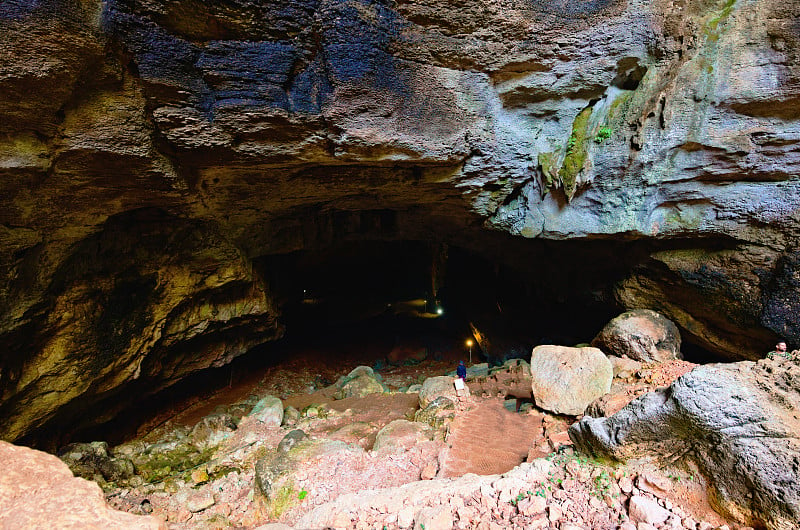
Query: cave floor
(219, 492)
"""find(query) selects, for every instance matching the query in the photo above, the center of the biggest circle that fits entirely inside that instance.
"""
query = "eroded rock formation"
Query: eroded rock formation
(641, 335)
(38, 490)
(738, 422)
(150, 151)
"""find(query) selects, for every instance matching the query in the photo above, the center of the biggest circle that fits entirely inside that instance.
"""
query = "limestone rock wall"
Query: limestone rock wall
(149, 150)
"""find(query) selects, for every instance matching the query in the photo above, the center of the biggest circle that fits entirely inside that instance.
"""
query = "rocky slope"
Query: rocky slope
(38, 490)
(738, 422)
(151, 151)
(357, 463)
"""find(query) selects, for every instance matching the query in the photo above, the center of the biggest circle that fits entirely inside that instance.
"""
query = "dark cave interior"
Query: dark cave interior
(359, 301)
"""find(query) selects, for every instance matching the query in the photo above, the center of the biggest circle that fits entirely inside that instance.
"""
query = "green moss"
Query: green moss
(157, 468)
(218, 522)
(619, 105)
(576, 153)
(548, 165)
(222, 472)
(712, 28)
(286, 497)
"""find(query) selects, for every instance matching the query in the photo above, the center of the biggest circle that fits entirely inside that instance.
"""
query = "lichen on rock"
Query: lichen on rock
(576, 150)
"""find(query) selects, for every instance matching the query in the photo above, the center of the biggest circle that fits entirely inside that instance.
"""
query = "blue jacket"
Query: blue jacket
(461, 371)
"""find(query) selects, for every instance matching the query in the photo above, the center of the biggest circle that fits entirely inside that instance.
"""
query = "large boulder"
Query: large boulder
(212, 430)
(439, 412)
(269, 411)
(642, 335)
(361, 381)
(566, 380)
(37, 490)
(436, 387)
(401, 434)
(738, 421)
(361, 386)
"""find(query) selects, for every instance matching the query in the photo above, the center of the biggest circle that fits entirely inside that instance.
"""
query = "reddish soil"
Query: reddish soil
(484, 438)
(488, 439)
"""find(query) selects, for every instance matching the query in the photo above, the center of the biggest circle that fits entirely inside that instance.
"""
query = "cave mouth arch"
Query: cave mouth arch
(360, 298)
(359, 301)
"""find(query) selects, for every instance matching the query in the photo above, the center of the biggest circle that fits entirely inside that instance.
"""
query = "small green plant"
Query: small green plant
(302, 494)
(520, 496)
(603, 134)
(602, 484)
(571, 143)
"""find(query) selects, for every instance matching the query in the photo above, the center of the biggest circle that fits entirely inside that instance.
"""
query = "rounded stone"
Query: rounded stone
(566, 380)
(642, 335)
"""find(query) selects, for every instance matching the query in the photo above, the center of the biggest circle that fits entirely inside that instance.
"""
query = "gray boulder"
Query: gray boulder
(212, 430)
(738, 421)
(439, 412)
(641, 334)
(361, 386)
(290, 415)
(361, 381)
(268, 410)
(566, 380)
(291, 439)
(93, 460)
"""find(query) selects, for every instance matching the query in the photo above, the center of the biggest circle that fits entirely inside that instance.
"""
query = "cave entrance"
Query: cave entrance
(394, 305)
(409, 309)
(436, 293)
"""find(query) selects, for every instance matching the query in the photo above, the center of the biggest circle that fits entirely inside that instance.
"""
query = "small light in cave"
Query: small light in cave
(439, 310)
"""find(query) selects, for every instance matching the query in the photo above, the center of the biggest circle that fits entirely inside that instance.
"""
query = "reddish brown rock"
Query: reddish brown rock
(37, 490)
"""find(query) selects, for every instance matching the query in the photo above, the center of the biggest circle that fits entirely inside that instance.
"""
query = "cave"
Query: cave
(226, 222)
(360, 301)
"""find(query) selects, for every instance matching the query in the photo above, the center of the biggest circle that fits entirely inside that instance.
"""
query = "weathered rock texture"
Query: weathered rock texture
(37, 490)
(151, 150)
(739, 422)
(642, 335)
(566, 380)
(437, 387)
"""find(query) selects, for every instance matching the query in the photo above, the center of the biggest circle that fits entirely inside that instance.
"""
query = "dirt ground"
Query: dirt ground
(213, 499)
